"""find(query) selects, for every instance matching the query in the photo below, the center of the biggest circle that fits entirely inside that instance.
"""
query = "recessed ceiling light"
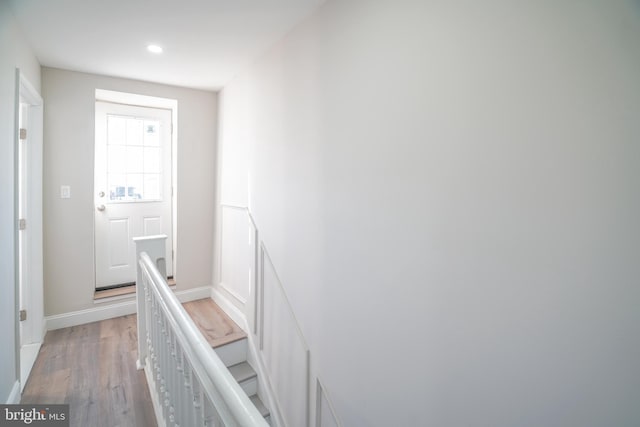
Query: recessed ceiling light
(154, 48)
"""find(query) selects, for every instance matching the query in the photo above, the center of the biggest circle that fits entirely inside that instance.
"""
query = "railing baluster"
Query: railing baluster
(173, 375)
(192, 386)
(168, 377)
(187, 400)
(162, 368)
(197, 403)
(156, 343)
(209, 414)
(184, 395)
(178, 383)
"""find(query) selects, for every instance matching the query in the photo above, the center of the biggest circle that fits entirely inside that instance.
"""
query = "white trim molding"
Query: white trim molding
(96, 314)
(229, 308)
(29, 335)
(258, 316)
(322, 396)
(276, 312)
(14, 396)
(233, 293)
(28, 355)
(80, 317)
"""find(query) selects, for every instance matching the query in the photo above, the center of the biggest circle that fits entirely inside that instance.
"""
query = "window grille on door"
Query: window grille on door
(134, 164)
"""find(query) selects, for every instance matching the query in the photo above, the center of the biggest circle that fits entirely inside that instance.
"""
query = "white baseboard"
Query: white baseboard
(228, 307)
(194, 294)
(89, 315)
(43, 329)
(28, 356)
(110, 311)
(14, 396)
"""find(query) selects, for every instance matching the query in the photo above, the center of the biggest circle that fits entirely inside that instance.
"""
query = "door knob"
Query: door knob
(101, 208)
(101, 194)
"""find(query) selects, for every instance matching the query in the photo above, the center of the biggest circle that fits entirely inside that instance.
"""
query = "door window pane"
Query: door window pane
(135, 186)
(151, 160)
(134, 164)
(134, 131)
(116, 130)
(135, 160)
(117, 185)
(152, 186)
(117, 157)
(151, 133)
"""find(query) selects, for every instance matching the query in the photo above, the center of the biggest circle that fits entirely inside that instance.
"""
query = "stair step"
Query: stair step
(214, 324)
(242, 371)
(244, 374)
(233, 353)
(230, 344)
(259, 405)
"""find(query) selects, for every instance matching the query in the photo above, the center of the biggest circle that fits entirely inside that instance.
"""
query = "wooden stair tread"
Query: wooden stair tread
(215, 325)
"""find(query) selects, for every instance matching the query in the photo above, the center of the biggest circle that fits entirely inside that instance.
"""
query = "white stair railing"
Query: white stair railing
(189, 384)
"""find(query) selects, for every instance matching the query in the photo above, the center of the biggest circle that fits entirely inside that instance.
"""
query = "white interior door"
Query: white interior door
(132, 187)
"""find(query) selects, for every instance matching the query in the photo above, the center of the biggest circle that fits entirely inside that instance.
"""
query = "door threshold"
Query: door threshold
(123, 290)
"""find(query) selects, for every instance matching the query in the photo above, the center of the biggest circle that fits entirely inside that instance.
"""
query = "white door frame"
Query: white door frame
(116, 221)
(167, 104)
(29, 337)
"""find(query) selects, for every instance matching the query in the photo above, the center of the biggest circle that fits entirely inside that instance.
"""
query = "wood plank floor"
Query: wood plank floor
(92, 367)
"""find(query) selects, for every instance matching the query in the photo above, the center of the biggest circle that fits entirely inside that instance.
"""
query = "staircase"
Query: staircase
(230, 344)
(234, 356)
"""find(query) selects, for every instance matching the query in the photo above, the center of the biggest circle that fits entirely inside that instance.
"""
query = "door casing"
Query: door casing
(28, 242)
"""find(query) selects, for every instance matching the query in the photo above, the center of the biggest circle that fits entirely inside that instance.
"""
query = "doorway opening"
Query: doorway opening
(134, 183)
(29, 259)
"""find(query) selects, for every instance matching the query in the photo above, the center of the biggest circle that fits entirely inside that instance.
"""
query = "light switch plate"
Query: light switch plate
(65, 192)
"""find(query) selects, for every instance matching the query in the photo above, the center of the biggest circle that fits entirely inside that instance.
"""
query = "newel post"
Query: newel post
(154, 246)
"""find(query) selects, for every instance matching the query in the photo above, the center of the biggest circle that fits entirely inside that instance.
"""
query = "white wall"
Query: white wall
(14, 52)
(68, 160)
(448, 192)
